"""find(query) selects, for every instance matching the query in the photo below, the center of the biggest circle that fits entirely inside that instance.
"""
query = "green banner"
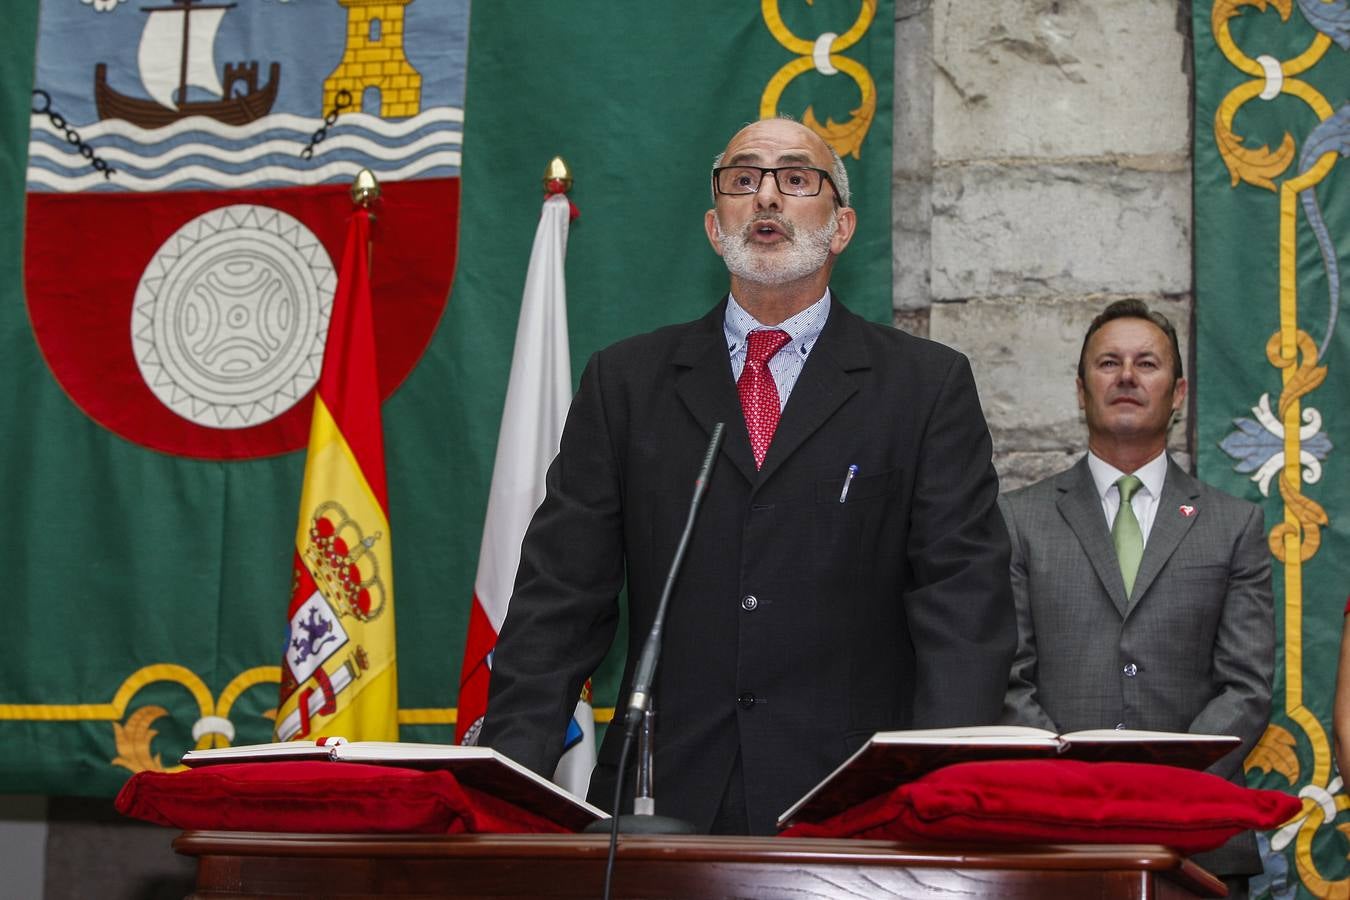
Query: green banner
(149, 590)
(1272, 246)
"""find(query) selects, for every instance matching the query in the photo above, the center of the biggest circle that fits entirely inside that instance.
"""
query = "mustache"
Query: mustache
(786, 227)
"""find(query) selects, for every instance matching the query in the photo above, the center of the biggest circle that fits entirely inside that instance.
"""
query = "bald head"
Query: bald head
(810, 150)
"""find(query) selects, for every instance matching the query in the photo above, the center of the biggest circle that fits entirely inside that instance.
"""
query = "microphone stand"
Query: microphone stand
(643, 819)
(640, 711)
(644, 804)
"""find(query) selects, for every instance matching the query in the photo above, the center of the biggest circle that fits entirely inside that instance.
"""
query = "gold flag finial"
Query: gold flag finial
(365, 189)
(557, 177)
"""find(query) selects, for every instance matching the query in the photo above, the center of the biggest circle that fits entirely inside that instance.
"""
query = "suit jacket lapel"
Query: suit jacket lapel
(703, 382)
(1169, 527)
(1082, 509)
(822, 387)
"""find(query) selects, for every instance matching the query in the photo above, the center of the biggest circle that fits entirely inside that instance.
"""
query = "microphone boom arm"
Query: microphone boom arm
(640, 697)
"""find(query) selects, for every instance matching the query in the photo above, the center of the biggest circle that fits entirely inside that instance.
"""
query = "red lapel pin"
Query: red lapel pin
(1186, 510)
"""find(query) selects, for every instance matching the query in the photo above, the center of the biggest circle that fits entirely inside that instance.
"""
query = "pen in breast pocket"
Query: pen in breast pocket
(848, 479)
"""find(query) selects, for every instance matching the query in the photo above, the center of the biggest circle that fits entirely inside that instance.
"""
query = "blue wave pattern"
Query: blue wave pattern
(202, 154)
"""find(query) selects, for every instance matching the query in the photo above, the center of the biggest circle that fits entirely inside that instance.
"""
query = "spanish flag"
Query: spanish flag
(338, 677)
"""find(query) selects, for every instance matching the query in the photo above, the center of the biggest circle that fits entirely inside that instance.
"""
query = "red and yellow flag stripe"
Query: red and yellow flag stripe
(339, 674)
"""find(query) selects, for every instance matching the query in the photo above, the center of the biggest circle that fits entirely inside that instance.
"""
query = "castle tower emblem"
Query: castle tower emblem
(374, 58)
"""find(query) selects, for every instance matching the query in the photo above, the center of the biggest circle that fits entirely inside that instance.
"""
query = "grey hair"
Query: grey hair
(838, 174)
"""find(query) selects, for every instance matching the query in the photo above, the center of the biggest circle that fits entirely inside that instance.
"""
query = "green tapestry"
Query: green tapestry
(1272, 244)
(148, 588)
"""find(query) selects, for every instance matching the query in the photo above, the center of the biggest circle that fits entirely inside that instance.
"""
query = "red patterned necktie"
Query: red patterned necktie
(759, 395)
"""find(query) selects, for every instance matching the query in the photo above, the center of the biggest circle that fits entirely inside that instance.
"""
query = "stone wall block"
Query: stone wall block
(911, 239)
(1058, 78)
(1059, 229)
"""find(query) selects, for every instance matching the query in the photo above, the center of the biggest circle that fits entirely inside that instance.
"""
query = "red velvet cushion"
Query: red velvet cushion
(1062, 801)
(320, 797)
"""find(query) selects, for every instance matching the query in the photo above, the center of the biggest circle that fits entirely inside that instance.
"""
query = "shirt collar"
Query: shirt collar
(803, 328)
(1151, 473)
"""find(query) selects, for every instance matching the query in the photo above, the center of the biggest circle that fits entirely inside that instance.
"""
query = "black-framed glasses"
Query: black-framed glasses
(794, 181)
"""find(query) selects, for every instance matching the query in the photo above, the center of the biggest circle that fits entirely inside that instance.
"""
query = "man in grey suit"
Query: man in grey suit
(1152, 613)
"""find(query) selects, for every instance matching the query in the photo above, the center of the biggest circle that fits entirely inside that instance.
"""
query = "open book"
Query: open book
(890, 758)
(481, 768)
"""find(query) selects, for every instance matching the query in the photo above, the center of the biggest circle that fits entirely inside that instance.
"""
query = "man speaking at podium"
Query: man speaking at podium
(848, 571)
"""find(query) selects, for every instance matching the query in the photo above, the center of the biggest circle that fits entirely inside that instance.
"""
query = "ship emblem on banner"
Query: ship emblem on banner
(187, 198)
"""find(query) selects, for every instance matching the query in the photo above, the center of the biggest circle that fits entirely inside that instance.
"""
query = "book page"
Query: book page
(394, 751)
(247, 752)
(1129, 735)
(974, 734)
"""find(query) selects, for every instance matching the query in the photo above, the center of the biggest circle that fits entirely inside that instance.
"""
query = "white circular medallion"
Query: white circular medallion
(231, 314)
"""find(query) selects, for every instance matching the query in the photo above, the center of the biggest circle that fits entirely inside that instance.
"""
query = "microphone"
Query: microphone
(640, 697)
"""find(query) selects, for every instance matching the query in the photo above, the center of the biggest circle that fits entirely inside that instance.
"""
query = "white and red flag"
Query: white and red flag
(537, 396)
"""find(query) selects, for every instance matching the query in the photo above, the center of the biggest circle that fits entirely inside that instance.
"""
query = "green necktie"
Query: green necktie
(1125, 533)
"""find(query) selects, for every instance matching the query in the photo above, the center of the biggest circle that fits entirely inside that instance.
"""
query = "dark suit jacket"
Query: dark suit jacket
(1198, 628)
(799, 625)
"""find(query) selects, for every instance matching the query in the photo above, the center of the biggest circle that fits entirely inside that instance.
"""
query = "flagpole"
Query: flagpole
(538, 393)
(365, 191)
(574, 769)
(342, 565)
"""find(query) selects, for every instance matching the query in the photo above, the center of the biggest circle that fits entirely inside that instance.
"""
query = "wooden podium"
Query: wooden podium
(252, 864)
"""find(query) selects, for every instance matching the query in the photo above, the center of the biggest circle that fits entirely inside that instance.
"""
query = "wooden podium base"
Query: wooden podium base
(249, 864)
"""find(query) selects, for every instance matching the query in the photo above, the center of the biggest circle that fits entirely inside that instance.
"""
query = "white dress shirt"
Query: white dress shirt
(786, 364)
(1145, 500)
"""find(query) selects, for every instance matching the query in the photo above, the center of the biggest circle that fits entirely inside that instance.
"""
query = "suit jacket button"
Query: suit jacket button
(749, 602)
(746, 699)
(1130, 670)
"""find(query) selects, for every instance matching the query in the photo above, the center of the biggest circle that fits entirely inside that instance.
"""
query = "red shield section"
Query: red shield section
(86, 255)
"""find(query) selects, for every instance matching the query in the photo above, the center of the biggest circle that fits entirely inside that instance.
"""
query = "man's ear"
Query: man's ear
(1082, 393)
(847, 220)
(710, 227)
(1178, 394)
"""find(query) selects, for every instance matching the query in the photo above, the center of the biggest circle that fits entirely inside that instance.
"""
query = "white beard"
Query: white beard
(800, 256)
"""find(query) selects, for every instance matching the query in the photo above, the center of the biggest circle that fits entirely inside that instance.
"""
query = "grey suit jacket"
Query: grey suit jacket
(1192, 648)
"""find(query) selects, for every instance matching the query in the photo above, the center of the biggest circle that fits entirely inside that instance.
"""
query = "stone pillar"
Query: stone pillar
(1054, 177)
(912, 161)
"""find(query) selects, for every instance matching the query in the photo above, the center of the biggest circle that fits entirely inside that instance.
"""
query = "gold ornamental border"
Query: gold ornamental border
(1294, 540)
(133, 725)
